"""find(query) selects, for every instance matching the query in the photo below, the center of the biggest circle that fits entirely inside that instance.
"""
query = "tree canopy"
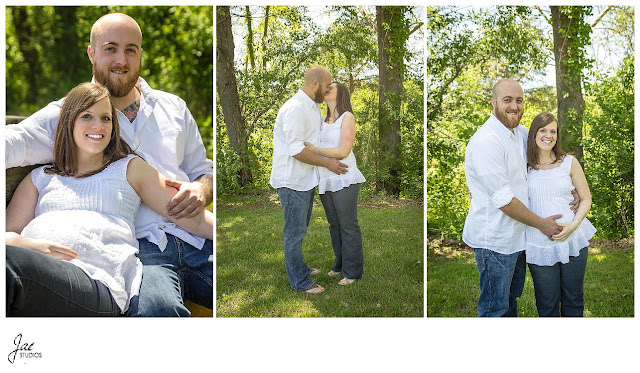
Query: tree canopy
(274, 46)
(590, 50)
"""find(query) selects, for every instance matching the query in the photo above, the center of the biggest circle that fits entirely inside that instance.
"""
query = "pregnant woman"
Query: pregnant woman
(339, 193)
(71, 245)
(557, 266)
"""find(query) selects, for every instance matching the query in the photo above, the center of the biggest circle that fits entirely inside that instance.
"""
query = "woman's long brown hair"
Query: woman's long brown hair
(343, 100)
(65, 150)
(542, 120)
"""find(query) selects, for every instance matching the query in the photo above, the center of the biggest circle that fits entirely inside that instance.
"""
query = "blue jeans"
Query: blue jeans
(297, 208)
(559, 288)
(341, 208)
(501, 282)
(179, 272)
(40, 285)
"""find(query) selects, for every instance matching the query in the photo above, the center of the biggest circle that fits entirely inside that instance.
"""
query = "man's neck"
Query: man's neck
(121, 103)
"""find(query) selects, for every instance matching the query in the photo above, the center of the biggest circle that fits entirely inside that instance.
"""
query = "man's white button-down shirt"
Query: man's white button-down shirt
(298, 121)
(496, 172)
(164, 133)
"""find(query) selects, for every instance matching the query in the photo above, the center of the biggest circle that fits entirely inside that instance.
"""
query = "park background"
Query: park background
(262, 55)
(46, 55)
(577, 62)
(382, 344)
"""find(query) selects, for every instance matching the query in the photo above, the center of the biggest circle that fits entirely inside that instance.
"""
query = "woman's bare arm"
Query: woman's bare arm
(21, 209)
(580, 183)
(152, 189)
(20, 212)
(347, 137)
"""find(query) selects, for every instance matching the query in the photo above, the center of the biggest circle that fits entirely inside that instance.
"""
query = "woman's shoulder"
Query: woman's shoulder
(133, 161)
(568, 158)
(348, 117)
(37, 175)
(134, 170)
(568, 161)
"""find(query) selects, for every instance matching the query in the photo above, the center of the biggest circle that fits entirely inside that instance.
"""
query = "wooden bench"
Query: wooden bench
(15, 175)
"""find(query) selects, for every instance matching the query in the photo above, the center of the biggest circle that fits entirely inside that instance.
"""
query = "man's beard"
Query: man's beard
(319, 96)
(508, 120)
(116, 88)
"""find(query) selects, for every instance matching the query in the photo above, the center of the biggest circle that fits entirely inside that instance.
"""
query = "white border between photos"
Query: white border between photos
(310, 345)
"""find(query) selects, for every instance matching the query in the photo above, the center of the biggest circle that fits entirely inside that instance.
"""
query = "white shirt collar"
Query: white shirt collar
(499, 127)
(306, 99)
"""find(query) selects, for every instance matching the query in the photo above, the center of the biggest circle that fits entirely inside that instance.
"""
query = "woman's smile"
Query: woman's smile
(547, 136)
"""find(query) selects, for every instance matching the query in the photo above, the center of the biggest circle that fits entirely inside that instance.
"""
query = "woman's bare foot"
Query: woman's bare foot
(346, 281)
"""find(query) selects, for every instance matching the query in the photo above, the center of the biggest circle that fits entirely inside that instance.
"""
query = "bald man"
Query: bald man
(160, 128)
(293, 173)
(496, 173)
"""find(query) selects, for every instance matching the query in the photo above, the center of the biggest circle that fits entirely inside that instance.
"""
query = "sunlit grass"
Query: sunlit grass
(453, 285)
(251, 277)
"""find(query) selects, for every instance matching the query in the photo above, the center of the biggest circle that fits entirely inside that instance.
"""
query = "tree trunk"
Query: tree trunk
(392, 35)
(252, 59)
(228, 93)
(264, 37)
(568, 82)
(351, 83)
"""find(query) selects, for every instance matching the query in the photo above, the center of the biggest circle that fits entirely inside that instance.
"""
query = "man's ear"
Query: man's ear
(91, 55)
(493, 103)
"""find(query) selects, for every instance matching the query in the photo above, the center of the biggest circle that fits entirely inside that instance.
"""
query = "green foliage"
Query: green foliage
(460, 74)
(498, 44)
(412, 145)
(608, 159)
(347, 46)
(578, 36)
(227, 161)
(177, 55)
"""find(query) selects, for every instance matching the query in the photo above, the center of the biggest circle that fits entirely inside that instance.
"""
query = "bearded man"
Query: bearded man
(159, 127)
(496, 173)
(293, 173)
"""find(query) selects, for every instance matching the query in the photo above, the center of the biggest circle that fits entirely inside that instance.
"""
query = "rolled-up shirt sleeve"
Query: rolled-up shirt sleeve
(491, 168)
(31, 141)
(195, 162)
(293, 129)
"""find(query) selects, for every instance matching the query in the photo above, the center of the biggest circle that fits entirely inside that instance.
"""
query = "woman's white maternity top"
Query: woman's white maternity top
(329, 137)
(94, 216)
(550, 194)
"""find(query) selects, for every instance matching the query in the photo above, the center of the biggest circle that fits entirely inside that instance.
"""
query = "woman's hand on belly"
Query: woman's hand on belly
(44, 246)
(567, 229)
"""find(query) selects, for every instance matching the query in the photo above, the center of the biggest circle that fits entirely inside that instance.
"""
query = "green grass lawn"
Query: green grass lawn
(251, 277)
(453, 285)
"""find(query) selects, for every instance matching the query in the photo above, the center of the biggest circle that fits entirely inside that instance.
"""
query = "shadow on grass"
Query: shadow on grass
(453, 284)
(251, 276)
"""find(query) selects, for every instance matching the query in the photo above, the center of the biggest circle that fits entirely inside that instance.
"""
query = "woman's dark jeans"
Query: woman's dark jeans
(39, 285)
(341, 208)
(559, 288)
